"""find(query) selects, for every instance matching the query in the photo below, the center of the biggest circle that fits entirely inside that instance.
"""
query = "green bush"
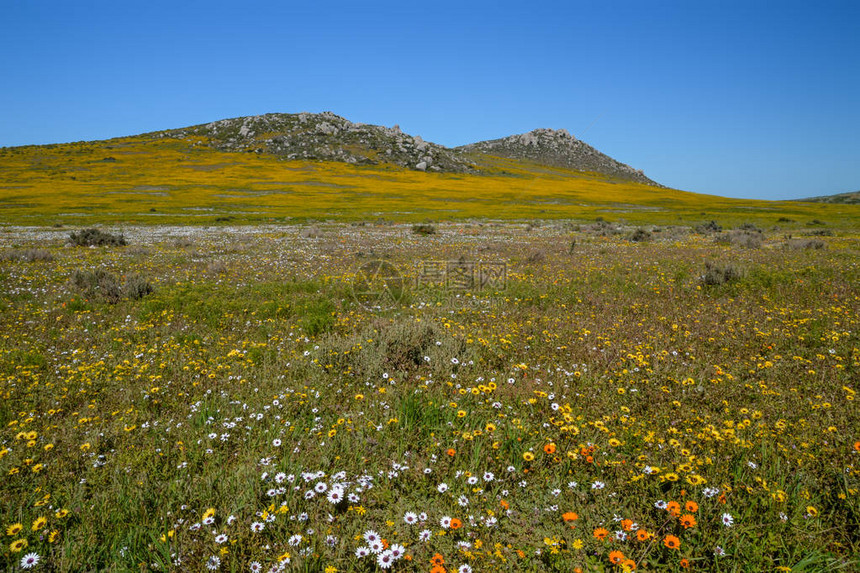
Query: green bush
(96, 238)
(423, 229)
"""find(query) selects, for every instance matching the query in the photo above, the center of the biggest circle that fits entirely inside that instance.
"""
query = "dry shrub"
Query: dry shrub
(27, 255)
(217, 268)
(423, 229)
(312, 232)
(100, 284)
(718, 274)
(640, 236)
(536, 257)
(741, 238)
(803, 244)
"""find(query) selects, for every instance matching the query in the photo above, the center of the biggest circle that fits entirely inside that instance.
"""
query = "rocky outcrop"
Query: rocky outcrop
(559, 149)
(326, 137)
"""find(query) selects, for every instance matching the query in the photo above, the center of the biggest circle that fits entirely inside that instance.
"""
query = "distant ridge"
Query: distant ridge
(557, 148)
(329, 137)
(851, 198)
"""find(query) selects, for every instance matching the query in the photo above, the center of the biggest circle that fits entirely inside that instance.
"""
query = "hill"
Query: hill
(297, 167)
(557, 148)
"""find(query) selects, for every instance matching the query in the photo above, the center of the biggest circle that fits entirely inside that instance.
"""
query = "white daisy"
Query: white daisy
(30, 560)
(335, 495)
(385, 560)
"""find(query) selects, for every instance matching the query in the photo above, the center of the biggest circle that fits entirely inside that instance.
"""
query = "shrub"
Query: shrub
(311, 232)
(720, 274)
(105, 286)
(98, 284)
(820, 233)
(216, 268)
(750, 227)
(96, 238)
(423, 229)
(27, 255)
(536, 257)
(640, 236)
(136, 287)
(740, 238)
(802, 244)
(708, 228)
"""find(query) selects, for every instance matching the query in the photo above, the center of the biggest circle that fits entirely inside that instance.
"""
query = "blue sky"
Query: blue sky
(740, 99)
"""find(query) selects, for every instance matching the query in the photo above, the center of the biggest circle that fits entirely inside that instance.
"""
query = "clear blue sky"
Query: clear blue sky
(741, 99)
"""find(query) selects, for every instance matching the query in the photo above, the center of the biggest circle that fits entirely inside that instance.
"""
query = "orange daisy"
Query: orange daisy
(549, 448)
(451, 452)
(672, 542)
(674, 508)
(685, 563)
(643, 535)
(691, 507)
(688, 521)
(437, 560)
(601, 533)
(616, 557)
(569, 516)
(438, 569)
(456, 523)
(626, 524)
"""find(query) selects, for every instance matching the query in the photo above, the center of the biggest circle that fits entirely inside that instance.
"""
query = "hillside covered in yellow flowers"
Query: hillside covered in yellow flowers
(184, 177)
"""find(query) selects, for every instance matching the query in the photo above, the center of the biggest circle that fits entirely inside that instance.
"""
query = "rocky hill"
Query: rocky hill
(329, 137)
(559, 149)
(326, 137)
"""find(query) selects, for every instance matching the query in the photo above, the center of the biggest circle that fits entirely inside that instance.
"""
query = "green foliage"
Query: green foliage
(317, 316)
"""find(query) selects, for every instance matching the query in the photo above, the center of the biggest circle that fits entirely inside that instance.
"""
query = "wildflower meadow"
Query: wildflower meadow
(506, 396)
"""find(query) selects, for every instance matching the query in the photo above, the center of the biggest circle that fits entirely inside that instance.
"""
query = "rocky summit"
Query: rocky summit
(557, 148)
(326, 137)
